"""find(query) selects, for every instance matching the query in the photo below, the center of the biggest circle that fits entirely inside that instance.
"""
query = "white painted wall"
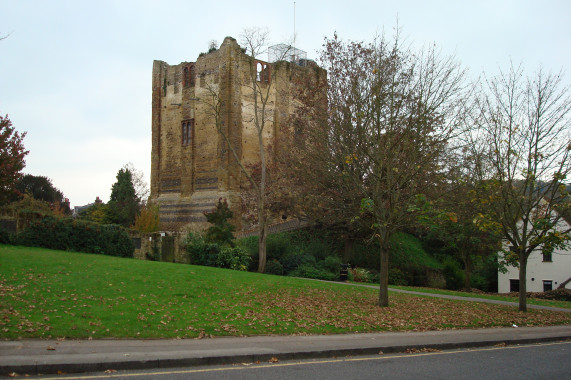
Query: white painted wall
(558, 270)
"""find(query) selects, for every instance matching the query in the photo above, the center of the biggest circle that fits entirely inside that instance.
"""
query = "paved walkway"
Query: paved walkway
(457, 298)
(74, 356)
(486, 300)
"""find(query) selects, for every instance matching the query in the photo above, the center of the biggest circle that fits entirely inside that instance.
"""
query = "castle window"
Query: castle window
(187, 131)
(185, 77)
(263, 72)
(188, 76)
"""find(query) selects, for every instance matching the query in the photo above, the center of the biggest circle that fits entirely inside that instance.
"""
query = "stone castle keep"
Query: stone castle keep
(191, 164)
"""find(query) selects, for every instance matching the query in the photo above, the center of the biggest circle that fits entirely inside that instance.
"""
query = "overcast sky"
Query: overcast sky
(76, 75)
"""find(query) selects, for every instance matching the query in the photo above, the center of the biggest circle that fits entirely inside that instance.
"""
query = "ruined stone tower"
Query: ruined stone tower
(191, 165)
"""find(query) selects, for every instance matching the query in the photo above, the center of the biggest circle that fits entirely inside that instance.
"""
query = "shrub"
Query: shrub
(360, 275)
(250, 245)
(212, 255)
(308, 271)
(453, 274)
(5, 237)
(221, 230)
(278, 245)
(397, 277)
(555, 294)
(317, 249)
(200, 252)
(291, 261)
(332, 264)
(233, 258)
(274, 267)
(76, 235)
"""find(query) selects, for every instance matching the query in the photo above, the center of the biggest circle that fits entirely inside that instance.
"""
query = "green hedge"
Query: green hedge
(215, 255)
(77, 235)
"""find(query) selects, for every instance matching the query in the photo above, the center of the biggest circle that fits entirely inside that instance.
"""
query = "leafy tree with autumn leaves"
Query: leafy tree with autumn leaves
(12, 158)
(148, 218)
(42, 189)
(381, 137)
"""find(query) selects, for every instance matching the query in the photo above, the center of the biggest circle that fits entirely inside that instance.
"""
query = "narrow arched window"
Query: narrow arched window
(187, 132)
(185, 77)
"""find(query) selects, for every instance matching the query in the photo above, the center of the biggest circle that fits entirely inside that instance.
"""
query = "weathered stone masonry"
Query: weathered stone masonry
(191, 165)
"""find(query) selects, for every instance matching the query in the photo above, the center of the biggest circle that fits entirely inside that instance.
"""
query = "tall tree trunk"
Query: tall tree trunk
(262, 247)
(522, 283)
(384, 277)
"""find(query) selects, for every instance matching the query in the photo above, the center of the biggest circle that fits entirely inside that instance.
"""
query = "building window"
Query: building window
(187, 131)
(514, 286)
(547, 258)
(263, 72)
(547, 285)
(185, 77)
(188, 76)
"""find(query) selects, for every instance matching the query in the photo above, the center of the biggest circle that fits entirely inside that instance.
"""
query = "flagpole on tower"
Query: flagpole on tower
(294, 27)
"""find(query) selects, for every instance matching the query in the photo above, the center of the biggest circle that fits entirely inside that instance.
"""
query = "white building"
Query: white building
(544, 272)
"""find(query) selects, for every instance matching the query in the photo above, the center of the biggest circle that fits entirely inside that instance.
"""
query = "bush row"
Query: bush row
(76, 235)
(216, 255)
(300, 254)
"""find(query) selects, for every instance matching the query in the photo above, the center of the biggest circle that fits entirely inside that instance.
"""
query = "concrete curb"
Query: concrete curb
(31, 357)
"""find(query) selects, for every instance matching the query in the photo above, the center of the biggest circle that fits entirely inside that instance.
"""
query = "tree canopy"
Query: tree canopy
(123, 204)
(383, 135)
(12, 158)
(523, 130)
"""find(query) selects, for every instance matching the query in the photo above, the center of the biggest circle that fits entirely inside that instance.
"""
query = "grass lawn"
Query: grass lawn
(55, 294)
(530, 301)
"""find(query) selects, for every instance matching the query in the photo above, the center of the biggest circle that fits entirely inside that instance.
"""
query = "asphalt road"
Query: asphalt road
(537, 361)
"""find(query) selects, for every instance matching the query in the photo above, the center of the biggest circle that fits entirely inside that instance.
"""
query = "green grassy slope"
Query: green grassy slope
(47, 294)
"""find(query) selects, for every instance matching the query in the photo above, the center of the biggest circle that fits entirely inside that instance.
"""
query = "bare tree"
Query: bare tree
(382, 136)
(260, 87)
(525, 123)
(141, 186)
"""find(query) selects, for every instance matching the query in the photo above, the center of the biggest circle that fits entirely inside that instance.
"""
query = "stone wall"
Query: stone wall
(153, 246)
(192, 164)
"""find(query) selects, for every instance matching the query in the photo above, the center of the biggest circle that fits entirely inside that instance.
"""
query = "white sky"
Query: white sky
(76, 75)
